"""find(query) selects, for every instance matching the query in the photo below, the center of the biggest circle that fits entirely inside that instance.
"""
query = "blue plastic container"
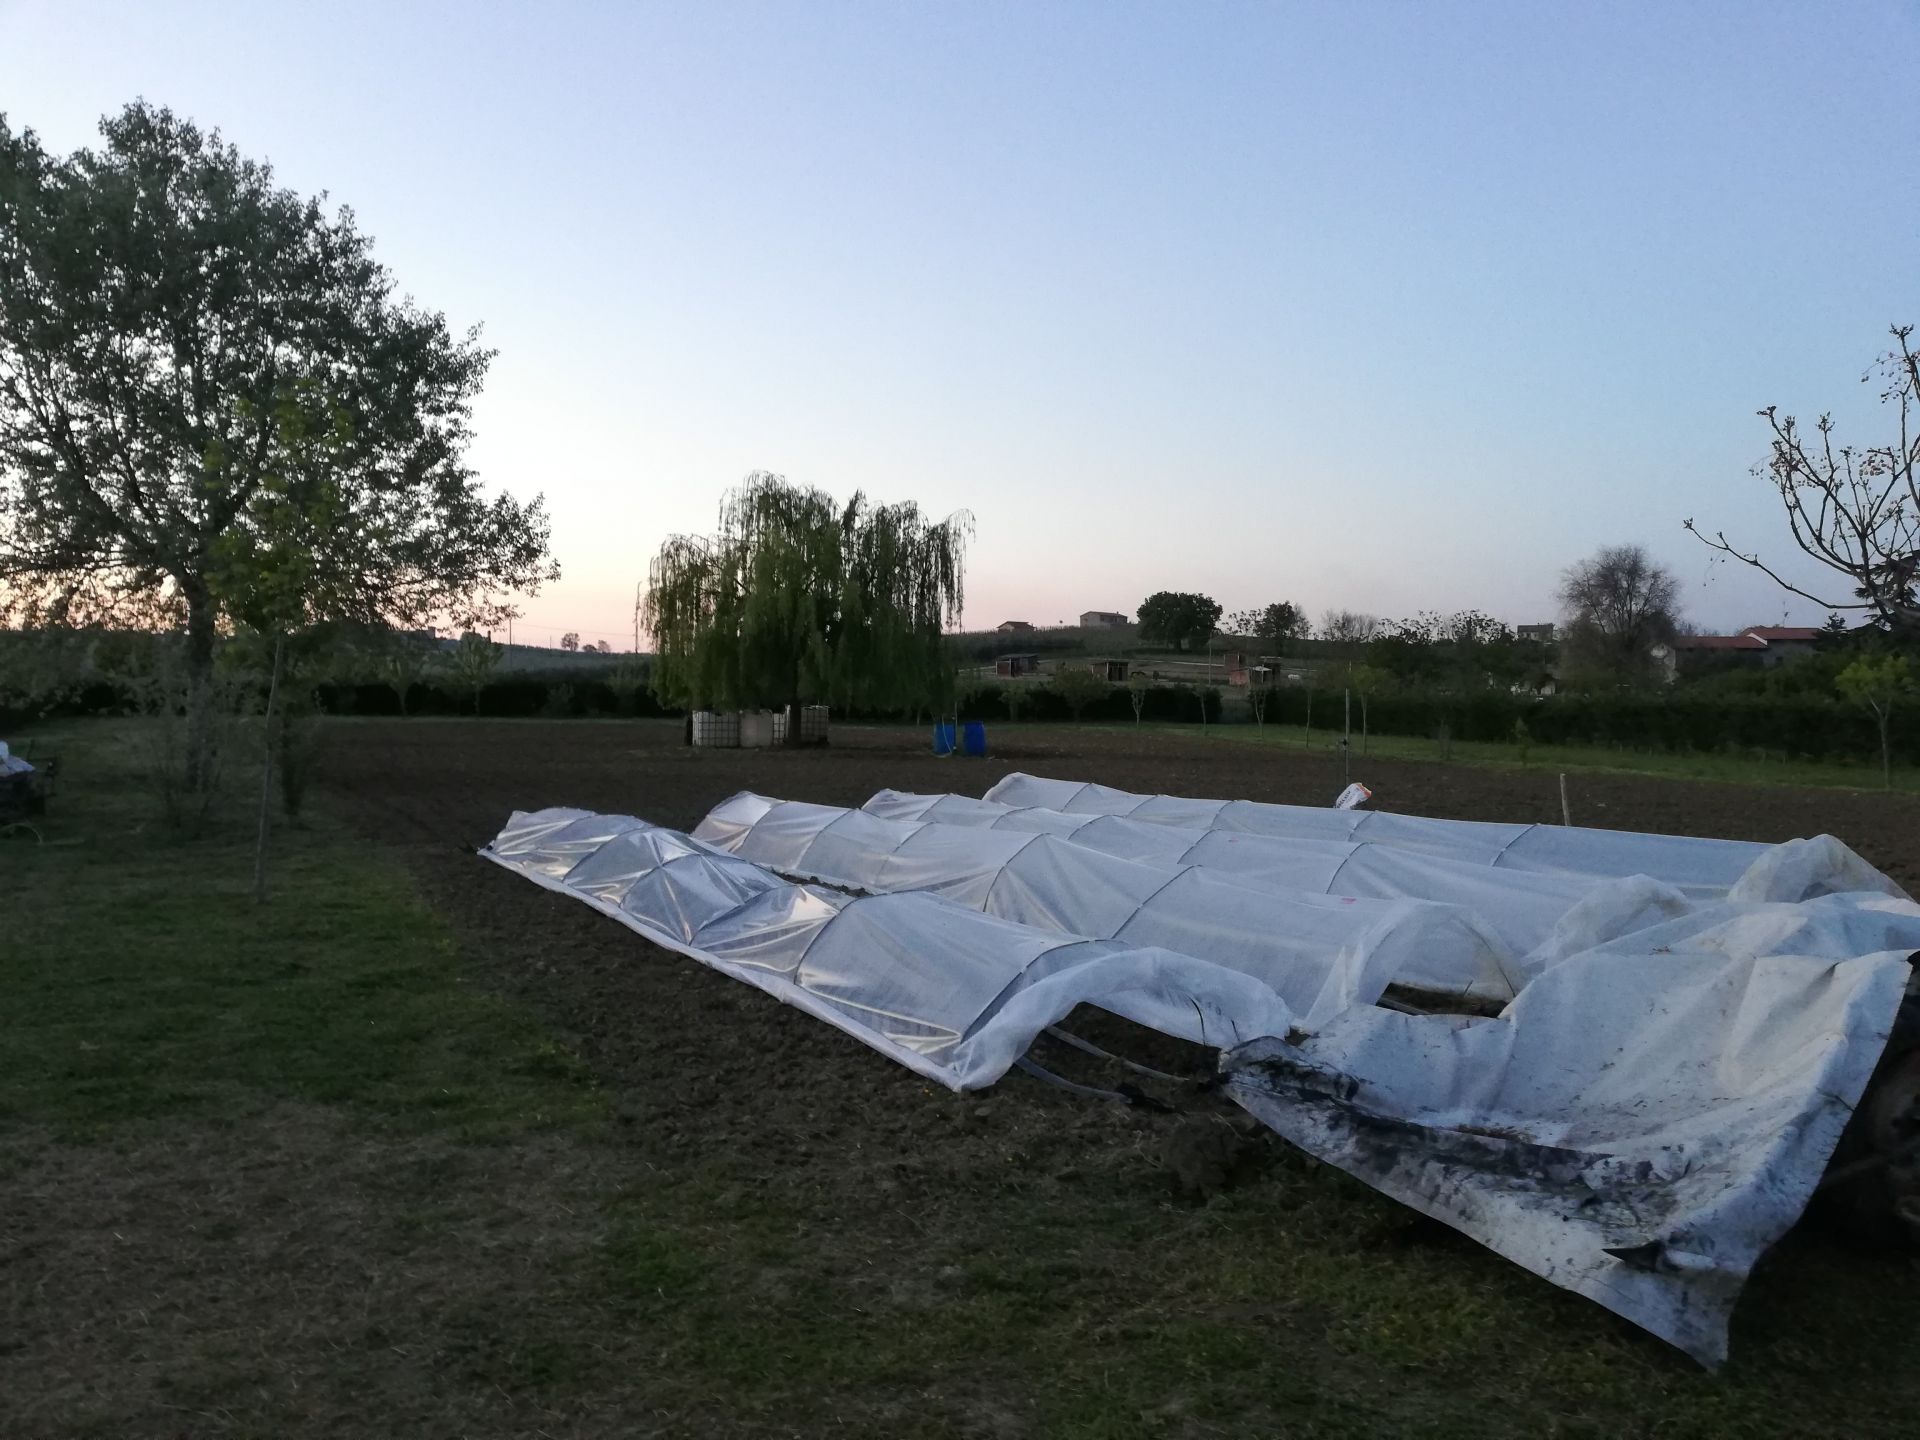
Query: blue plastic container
(943, 739)
(973, 738)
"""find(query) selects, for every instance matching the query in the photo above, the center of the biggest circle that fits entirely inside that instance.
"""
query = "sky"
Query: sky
(1384, 307)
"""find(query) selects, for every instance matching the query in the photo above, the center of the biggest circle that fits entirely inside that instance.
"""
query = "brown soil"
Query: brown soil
(427, 782)
(674, 1034)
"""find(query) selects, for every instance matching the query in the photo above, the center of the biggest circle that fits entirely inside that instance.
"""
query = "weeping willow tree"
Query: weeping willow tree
(797, 600)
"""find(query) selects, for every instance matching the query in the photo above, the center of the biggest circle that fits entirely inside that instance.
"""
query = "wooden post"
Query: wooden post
(1346, 737)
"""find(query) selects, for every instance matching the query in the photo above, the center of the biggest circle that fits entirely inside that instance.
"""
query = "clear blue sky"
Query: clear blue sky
(1383, 307)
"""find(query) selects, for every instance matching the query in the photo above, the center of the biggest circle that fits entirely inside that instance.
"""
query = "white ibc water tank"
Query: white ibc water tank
(813, 725)
(716, 727)
(757, 728)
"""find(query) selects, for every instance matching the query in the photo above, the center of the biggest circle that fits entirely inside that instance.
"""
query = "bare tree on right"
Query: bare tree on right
(1853, 508)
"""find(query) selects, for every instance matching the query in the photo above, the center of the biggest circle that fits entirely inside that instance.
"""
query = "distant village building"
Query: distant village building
(1539, 634)
(1102, 620)
(1015, 627)
(1784, 641)
(1113, 671)
(1013, 666)
(1755, 645)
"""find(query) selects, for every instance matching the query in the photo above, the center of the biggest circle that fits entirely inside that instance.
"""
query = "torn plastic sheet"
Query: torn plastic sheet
(1638, 1129)
(952, 994)
(1319, 953)
(1700, 867)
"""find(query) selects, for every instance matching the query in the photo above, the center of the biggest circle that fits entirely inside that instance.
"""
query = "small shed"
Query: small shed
(1249, 670)
(1113, 671)
(1013, 666)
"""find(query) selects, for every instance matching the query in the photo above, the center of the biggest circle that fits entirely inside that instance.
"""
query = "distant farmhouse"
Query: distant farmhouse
(1784, 641)
(1015, 627)
(1755, 645)
(1540, 634)
(1102, 620)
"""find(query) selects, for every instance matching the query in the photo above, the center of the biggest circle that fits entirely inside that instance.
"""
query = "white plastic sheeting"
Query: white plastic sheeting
(1708, 868)
(1639, 1125)
(1535, 915)
(1319, 953)
(950, 993)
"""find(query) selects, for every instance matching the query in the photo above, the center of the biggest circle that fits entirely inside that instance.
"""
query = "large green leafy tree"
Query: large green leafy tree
(216, 411)
(1465, 651)
(1178, 619)
(797, 600)
(1271, 626)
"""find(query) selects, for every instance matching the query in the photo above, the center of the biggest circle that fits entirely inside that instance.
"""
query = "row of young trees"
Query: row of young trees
(1182, 620)
(1617, 606)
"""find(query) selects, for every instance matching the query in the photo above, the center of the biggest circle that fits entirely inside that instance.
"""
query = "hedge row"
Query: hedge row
(1166, 704)
(1810, 728)
(536, 696)
(513, 697)
(97, 697)
(1804, 727)
(508, 698)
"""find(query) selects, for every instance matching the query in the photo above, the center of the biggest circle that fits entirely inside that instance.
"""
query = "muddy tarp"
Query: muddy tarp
(1638, 1128)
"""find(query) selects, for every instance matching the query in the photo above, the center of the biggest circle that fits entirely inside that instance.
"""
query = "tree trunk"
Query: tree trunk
(200, 636)
(1884, 714)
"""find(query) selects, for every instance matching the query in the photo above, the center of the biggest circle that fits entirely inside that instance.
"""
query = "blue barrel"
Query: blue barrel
(973, 738)
(943, 739)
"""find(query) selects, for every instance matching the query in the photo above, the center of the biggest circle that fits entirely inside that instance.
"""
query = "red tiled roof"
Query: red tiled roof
(1782, 632)
(1718, 642)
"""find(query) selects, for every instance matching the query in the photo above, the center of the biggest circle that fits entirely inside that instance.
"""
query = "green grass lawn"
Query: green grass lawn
(144, 981)
(286, 1170)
